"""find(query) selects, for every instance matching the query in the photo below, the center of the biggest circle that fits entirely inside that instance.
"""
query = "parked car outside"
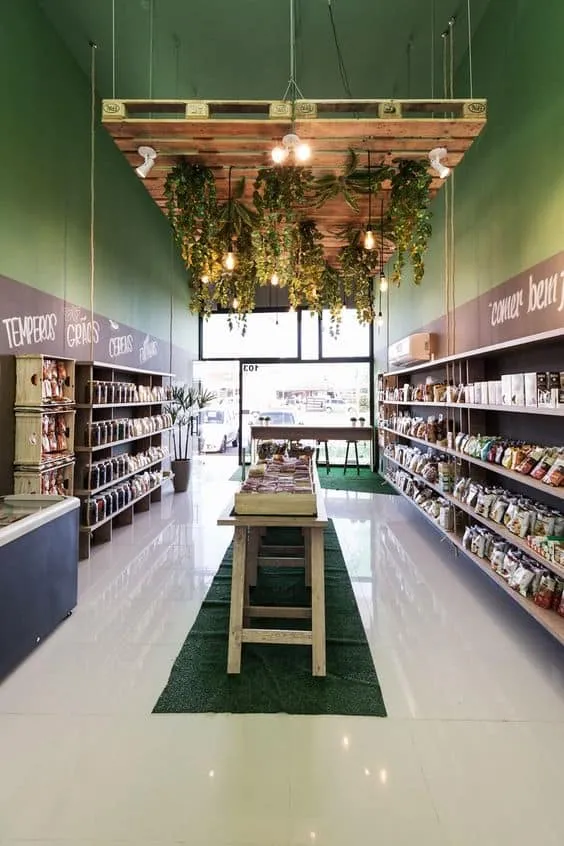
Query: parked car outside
(218, 429)
(339, 406)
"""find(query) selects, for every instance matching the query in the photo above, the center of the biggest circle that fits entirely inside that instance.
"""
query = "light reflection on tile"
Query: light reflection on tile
(474, 691)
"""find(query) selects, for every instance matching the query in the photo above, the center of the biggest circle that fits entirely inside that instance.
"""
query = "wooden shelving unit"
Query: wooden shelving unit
(536, 424)
(113, 416)
(44, 411)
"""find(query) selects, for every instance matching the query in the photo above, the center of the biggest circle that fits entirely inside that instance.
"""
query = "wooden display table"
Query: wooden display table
(312, 433)
(248, 556)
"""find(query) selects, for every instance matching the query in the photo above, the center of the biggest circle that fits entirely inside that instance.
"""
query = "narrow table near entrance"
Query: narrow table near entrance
(248, 529)
(322, 432)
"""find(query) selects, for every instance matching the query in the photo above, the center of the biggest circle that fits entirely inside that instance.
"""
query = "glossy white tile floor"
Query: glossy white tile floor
(471, 752)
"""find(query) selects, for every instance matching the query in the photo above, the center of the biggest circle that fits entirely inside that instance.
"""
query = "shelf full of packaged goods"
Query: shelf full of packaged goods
(119, 479)
(557, 493)
(549, 620)
(87, 405)
(547, 411)
(97, 448)
(100, 523)
(497, 528)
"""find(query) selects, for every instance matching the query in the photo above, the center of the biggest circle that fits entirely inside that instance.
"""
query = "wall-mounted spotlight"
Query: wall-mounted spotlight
(435, 157)
(149, 155)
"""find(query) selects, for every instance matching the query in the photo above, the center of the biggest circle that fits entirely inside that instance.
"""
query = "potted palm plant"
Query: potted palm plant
(185, 405)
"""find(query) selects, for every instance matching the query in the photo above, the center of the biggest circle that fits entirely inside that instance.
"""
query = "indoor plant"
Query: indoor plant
(184, 407)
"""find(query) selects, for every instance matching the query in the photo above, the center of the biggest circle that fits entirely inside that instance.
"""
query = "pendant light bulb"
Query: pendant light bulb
(235, 303)
(274, 279)
(383, 283)
(205, 279)
(380, 320)
(303, 152)
(229, 261)
(279, 154)
(369, 240)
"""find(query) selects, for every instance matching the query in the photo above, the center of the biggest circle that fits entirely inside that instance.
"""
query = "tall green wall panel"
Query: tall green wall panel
(509, 189)
(45, 192)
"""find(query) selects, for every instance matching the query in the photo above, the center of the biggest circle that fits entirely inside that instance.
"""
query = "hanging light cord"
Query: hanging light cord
(93, 48)
(229, 210)
(151, 31)
(340, 60)
(369, 194)
(381, 238)
(469, 17)
(113, 49)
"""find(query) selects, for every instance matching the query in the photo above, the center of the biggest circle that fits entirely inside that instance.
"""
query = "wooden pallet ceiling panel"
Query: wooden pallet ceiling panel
(241, 134)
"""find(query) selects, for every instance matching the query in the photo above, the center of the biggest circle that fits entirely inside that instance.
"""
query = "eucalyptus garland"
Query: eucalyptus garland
(409, 217)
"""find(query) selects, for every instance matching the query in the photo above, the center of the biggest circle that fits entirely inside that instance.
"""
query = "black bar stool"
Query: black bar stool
(326, 445)
(355, 444)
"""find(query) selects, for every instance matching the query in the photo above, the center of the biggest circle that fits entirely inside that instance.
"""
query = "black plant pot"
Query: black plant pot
(181, 470)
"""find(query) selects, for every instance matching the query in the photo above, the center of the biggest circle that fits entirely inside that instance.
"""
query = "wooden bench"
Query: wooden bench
(248, 557)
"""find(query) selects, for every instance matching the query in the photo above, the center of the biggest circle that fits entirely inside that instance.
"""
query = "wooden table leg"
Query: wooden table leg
(237, 600)
(317, 602)
(307, 555)
(252, 555)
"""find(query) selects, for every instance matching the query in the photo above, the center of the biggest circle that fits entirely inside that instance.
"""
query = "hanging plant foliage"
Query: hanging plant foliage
(193, 214)
(279, 194)
(358, 268)
(278, 236)
(409, 217)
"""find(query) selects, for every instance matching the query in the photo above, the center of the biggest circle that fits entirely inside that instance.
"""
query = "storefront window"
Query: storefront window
(352, 340)
(268, 335)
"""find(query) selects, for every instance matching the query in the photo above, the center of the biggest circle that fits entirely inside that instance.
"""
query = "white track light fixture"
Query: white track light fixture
(435, 157)
(150, 156)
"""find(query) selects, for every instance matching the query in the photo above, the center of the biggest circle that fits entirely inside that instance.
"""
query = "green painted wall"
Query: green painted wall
(45, 199)
(509, 190)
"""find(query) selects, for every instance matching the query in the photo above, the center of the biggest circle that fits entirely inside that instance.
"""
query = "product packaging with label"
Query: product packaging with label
(530, 388)
(506, 389)
(543, 393)
(518, 388)
(554, 387)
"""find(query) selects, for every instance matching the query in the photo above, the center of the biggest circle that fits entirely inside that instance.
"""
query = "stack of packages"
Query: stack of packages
(280, 474)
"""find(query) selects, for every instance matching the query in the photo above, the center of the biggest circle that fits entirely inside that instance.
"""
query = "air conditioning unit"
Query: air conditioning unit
(416, 349)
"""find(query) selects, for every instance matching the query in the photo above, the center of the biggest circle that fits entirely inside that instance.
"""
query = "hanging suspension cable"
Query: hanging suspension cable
(408, 51)
(93, 48)
(444, 36)
(451, 57)
(113, 49)
(433, 49)
(470, 71)
(151, 28)
(292, 88)
(340, 60)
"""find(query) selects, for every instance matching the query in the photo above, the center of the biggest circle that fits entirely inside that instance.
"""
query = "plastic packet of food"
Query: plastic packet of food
(545, 593)
(555, 476)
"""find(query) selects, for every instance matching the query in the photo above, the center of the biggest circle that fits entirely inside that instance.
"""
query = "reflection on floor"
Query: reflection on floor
(470, 754)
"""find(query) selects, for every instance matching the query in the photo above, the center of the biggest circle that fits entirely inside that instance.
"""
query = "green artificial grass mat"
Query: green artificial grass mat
(277, 678)
(365, 482)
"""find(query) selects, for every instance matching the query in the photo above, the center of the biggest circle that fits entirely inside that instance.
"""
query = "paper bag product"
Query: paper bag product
(554, 387)
(530, 389)
(543, 393)
(518, 389)
(506, 389)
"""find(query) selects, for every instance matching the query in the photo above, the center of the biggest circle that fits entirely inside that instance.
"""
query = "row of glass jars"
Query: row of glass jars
(101, 393)
(109, 502)
(102, 432)
(100, 473)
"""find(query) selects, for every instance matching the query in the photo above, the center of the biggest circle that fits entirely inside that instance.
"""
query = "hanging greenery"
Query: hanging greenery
(358, 268)
(279, 193)
(409, 217)
(192, 210)
(279, 237)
